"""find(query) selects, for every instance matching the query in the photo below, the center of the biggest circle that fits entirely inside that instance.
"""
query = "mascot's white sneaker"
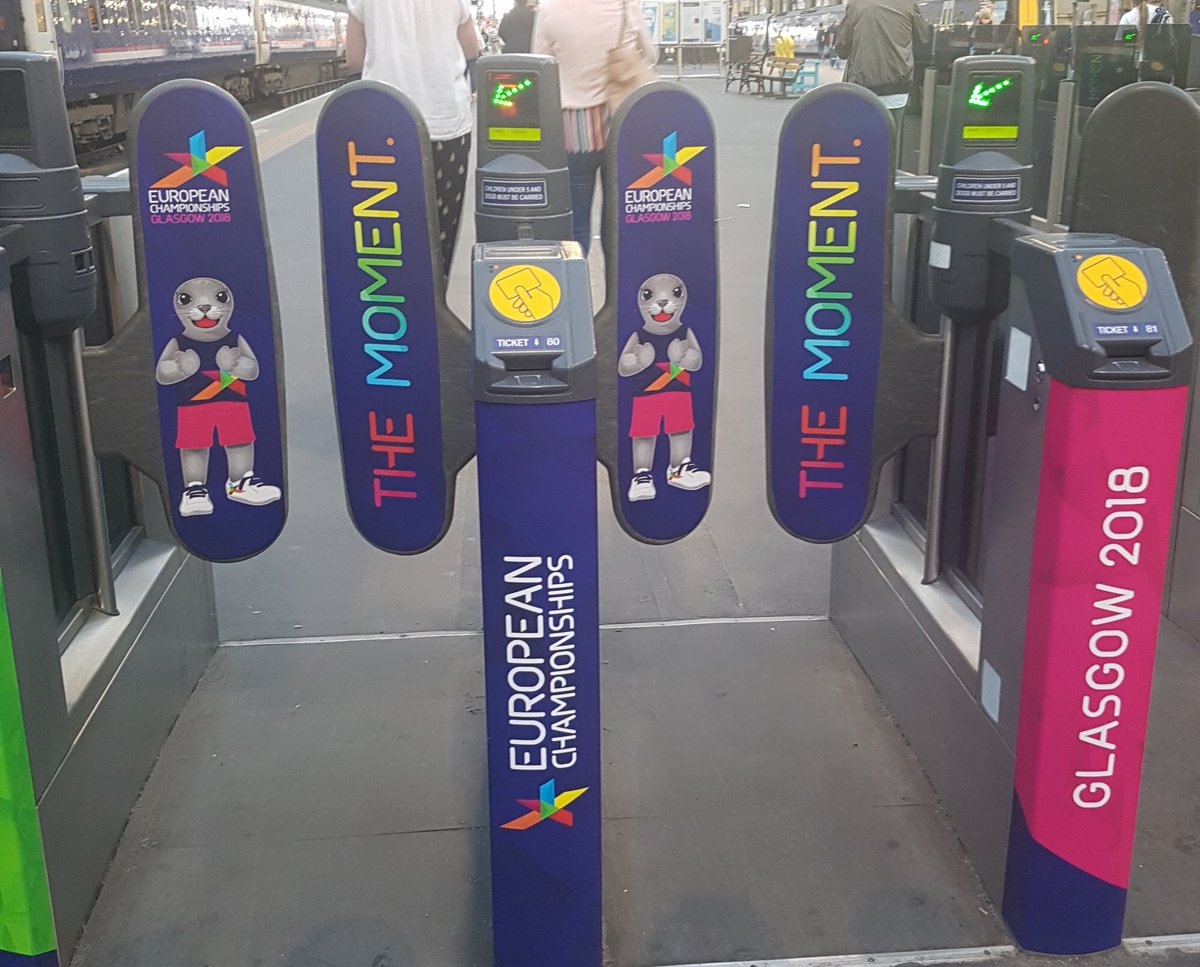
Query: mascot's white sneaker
(642, 487)
(195, 500)
(251, 490)
(687, 476)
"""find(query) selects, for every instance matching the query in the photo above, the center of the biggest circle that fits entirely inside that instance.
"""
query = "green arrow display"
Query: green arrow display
(982, 96)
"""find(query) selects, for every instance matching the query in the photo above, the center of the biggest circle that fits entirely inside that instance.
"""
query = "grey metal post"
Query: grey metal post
(93, 490)
(935, 503)
(925, 140)
(1064, 116)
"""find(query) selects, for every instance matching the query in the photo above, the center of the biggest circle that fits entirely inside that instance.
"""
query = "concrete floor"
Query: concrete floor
(324, 804)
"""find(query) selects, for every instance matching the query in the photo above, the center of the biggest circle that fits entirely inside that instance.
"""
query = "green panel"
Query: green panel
(26, 923)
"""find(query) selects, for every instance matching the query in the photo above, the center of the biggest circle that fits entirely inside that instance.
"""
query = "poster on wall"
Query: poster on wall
(668, 25)
(691, 28)
(714, 22)
(650, 13)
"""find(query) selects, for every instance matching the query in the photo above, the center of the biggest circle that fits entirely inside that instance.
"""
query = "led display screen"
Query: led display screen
(513, 111)
(992, 111)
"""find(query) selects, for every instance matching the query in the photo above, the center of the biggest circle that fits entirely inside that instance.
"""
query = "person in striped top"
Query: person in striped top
(579, 34)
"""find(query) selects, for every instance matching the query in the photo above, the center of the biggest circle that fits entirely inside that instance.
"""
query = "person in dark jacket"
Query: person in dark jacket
(876, 38)
(516, 29)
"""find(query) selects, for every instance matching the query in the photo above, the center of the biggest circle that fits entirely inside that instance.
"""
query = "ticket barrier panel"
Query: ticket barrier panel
(203, 350)
(410, 417)
(28, 936)
(1095, 337)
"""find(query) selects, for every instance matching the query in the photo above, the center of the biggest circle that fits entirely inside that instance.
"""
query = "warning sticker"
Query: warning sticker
(530, 193)
(989, 189)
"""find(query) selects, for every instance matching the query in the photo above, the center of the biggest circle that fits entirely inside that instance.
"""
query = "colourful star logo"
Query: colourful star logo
(220, 381)
(199, 159)
(673, 161)
(549, 806)
(670, 373)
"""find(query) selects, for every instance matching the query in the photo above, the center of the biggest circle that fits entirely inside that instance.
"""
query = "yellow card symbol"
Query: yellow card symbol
(1112, 282)
(525, 293)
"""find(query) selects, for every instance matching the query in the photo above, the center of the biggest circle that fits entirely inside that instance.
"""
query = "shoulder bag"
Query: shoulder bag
(627, 66)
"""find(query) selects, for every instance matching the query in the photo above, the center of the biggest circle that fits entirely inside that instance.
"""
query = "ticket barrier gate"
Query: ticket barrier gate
(407, 423)
(1077, 518)
(537, 398)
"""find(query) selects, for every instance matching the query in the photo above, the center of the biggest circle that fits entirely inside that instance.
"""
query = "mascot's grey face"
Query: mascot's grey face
(204, 306)
(661, 301)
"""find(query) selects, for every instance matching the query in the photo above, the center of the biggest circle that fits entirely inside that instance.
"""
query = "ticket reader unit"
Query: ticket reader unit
(1084, 435)
(522, 188)
(1089, 426)
(984, 174)
(535, 421)
(40, 191)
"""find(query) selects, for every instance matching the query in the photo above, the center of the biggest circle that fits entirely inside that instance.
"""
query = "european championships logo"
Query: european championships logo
(198, 160)
(547, 806)
(673, 162)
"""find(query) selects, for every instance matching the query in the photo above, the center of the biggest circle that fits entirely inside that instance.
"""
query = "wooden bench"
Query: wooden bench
(777, 76)
(744, 71)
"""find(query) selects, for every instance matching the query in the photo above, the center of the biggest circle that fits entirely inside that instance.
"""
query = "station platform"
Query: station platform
(321, 801)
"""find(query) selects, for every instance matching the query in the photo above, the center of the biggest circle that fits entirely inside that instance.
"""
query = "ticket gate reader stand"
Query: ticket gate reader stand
(1079, 504)
(1081, 497)
(535, 420)
(534, 372)
(534, 383)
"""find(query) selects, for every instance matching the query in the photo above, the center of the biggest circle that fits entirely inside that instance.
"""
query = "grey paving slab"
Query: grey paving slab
(327, 800)
(322, 579)
(762, 804)
(398, 900)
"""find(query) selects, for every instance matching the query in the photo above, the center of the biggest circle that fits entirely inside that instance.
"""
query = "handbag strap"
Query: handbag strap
(624, 13)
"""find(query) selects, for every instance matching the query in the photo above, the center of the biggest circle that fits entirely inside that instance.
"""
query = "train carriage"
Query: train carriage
(112, 51)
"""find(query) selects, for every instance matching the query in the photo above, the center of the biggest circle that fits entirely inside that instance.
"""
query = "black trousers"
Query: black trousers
(451, 159)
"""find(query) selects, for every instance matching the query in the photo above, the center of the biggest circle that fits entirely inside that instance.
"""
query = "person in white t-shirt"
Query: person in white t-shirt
(1146, 13)
(421, 47)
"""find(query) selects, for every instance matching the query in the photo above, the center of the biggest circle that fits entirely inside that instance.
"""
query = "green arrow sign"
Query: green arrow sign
(982, 96)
